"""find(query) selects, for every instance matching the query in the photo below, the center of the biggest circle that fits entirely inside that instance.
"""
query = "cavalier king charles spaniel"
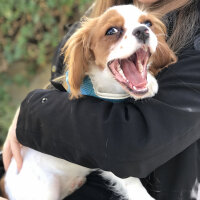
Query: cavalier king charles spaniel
(121, 51)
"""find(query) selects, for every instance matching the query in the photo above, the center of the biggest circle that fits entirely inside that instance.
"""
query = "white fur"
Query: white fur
(103, 81)
(130, 188)
(104, 84)
(129, 43)
(195, 193)
(109, 88)
(45, 177)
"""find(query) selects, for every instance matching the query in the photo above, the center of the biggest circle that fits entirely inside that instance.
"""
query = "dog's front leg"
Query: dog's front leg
(130, 188)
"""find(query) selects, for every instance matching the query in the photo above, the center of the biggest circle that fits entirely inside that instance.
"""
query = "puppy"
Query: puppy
(120, 51)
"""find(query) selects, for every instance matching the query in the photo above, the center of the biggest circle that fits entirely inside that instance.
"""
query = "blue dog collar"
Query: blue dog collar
(86, 86)
(87, 89)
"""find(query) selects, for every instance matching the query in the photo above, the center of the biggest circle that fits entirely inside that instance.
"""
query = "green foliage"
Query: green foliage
(6, 114)
(29, 33)
(30, 30)
(7, 108)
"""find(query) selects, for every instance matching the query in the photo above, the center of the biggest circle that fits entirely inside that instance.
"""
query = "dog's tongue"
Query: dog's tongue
(136, 78)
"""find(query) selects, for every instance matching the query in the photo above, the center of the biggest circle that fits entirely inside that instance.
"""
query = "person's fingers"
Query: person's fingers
(7, 155)
(16, 151)
(12, 146)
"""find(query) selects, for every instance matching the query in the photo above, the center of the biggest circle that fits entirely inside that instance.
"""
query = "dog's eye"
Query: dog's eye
(148, 23)
(112, 31)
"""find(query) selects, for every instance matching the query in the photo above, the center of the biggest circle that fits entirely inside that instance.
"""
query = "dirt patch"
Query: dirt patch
(36, 81)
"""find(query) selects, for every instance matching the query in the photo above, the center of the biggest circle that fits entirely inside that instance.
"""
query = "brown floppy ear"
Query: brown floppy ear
(163, 56)
(77, 54)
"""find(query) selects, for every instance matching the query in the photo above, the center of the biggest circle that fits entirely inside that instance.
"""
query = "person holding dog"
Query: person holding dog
(163, 131)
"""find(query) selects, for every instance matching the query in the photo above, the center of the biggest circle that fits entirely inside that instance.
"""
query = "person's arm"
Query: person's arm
(11, 146)
(129, 138)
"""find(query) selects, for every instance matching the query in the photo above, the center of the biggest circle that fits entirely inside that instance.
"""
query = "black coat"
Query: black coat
(157, 140)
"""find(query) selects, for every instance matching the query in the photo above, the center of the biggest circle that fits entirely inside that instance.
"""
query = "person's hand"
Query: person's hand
(12, 147)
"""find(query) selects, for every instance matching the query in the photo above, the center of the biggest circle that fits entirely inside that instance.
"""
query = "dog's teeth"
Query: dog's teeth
(140, 66)
(139, 90)
(118, 67)
(121, 72)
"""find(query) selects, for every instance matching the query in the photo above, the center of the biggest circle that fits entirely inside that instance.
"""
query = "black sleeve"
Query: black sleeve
(131, 138)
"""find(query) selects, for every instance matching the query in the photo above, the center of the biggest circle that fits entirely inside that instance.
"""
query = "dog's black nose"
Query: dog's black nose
(141, 33)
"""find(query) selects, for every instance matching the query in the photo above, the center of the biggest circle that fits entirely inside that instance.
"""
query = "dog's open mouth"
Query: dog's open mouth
(131, 72)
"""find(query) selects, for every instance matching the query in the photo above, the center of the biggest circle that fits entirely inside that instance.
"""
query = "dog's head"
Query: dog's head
(125, 42)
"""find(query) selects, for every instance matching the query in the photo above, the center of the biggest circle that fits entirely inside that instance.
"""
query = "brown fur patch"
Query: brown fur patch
(163, 56)
(90, 44)
(101, 44)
